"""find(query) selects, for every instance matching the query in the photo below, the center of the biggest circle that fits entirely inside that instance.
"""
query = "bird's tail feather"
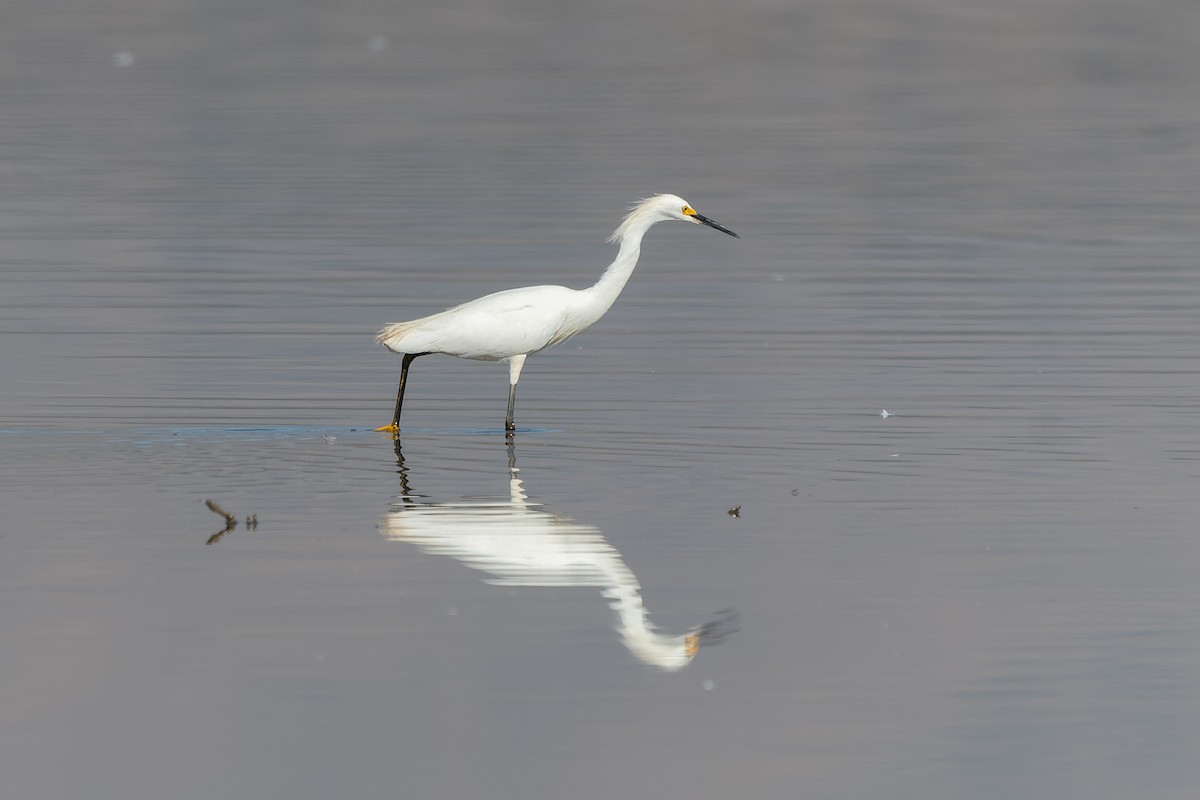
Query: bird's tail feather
(392, 334)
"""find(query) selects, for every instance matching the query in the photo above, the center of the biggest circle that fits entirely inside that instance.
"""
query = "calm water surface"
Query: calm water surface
(978, 217)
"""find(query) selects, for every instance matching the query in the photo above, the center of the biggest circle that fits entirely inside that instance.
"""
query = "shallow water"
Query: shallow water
(978, 218)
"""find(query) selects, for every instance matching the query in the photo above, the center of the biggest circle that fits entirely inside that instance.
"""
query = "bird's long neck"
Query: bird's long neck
(636, 629)
(608, 288)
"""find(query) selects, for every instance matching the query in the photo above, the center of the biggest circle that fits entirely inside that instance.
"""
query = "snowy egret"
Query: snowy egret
(512, 324)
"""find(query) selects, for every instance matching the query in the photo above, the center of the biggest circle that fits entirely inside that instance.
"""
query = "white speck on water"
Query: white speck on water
(709, 684)
(327, 439)
(885, 414)
(123, 59)
(452, 611)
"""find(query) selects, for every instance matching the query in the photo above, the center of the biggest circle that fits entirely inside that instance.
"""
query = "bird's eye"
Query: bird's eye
(687, 211)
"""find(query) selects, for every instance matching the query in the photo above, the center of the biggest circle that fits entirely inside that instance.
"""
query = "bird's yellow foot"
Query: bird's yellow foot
(392, 428)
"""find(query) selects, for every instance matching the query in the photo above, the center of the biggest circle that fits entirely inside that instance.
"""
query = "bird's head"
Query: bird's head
(661, 208)
(672, 206)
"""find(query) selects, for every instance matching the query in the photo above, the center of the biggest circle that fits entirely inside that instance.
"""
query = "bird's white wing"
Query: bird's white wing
(491, 328)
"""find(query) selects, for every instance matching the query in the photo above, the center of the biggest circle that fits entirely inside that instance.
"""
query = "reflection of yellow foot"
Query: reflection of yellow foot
(392, 428)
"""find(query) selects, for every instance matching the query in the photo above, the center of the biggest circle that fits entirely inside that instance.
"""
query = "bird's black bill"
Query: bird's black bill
(705, 220)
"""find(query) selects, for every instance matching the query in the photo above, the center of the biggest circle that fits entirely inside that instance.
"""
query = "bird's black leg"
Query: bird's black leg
(515, 363)
(510, 427)
(404, 365)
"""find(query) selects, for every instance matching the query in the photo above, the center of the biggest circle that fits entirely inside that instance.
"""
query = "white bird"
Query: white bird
(512, 324)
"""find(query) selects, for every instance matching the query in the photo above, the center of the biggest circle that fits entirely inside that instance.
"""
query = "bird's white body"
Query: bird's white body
(498, 326)
(512, 324)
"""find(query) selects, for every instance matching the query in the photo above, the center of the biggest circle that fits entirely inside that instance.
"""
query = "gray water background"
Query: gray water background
(978, 216)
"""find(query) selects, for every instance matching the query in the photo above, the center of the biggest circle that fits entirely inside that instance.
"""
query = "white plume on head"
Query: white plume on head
(650, 209)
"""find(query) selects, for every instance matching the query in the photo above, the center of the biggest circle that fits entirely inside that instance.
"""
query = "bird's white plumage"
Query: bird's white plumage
(494, 327)
(509, 325)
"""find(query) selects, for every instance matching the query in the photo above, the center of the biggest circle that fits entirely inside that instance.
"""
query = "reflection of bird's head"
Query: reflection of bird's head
(662, 650)
(669, 652)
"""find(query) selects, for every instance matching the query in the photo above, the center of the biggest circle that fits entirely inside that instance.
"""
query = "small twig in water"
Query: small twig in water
(230, 521)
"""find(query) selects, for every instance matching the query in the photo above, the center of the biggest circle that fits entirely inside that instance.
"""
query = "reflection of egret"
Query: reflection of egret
(520, 544)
